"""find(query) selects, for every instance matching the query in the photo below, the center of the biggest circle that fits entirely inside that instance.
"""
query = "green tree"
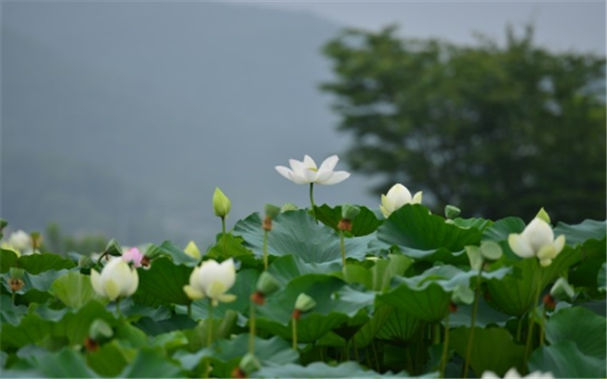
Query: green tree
(496, 130)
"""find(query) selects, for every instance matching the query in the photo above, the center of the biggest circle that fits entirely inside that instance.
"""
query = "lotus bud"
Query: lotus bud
(537, 240)
(249, 364)
(491, 250)
(21, 241)
(133, 256)
(302, 304)
(462, 294)
(36, 240)
(543, 215)
(562, 290)
(271, 211)
(397, 197)
(452, 212)
(221, 204)
(212, 280)
(100, 331)
(113, 248)
(192, 250)
(288, 207)
(475, 257)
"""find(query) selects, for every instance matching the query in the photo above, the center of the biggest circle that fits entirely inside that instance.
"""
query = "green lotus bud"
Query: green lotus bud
(288, 207)
(304, 303)
(543, 215)
(221, 203)
(475, 257)
(271, 211)
(562, 290)
(267, 284)
(462, 294)
(349, 211)
(113, 248)
(491, 250)
(192, 250)
(249, 364)
(85, 261)
(452, 212)
(100, 331)
(16, 273)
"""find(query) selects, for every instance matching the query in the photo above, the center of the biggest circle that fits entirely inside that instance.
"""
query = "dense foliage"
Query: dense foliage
(401, 306)
(492, 128)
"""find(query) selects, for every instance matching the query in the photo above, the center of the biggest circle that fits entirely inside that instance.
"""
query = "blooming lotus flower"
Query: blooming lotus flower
(513, 374)
(397, 197)
(307, 172)
(117, 279)
(212, 280)
(537, 240)
(19, 242)
(133, 255)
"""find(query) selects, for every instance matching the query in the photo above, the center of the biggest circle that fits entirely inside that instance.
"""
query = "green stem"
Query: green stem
(342, 246)
(542, 326)
(13, 296)
(252, 330)
(294, 329)
(223, 237)
(190, 310)
(356, 356)
(437, 333)
(519, 329)
(532, 316)
(347, 351)
(472, 323)
(265, 250)
(312, 201)
(409, 360)
(443, 363)
(375, 355)
(207, 370)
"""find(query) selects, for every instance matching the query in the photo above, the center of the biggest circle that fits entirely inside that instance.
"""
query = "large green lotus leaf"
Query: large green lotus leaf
(39, 263)
(75, 290)
(152, 326)
(399, 328)
(422, 235)
(176, 254)
(365, 223)
(289, 267)
(586, 273)
(244, 286)
(348, 370)
(370, 329)
(36, 326)
(580, 233)
(10, 313)
(493, 349)
(296, 233)
(514, 294)
(565, 361)
(581, 326)
(602, 278)
(485, 316)
(36, 287)
(65, 364)
(163, 283)
(151, 364)
(379, 276)
(500, 230)
(334, 306)
(222, 328)
(8, 259)
(479, 223)
(169, 341)
(110, 359)
(428, 295)
(225, 355)
(233, 247)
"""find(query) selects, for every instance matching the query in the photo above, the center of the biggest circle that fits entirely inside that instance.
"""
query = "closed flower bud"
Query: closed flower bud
(304, 303)
(267, 284)
(537, 240)
(271, 211)
(192, 250)
(452, 212)
(397, 197)
(490, 250)
(20, 241)
(117, 280)
(133, 256)
(221, 203)
(100, 331)
(349, 211)
(113, 248)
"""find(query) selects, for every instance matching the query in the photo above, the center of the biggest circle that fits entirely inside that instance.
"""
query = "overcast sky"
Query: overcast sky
(578, 25)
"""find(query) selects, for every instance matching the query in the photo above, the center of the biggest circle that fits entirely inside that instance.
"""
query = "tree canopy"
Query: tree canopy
(496, 130)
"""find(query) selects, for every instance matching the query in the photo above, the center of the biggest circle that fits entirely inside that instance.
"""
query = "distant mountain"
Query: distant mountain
(122, 118)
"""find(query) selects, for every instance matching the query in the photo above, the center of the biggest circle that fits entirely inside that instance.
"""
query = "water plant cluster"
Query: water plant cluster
(320, 292)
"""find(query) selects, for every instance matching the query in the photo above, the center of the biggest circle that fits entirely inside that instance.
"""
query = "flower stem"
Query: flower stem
(13, 296)
(265, 250)
(443, 363)
(542, 326)
(207, 370)
(223, 237)
(190, 310)
(252, 329)
(294, 328)
(472, 323)
(532, 315)
(518, 329)
(312, 201)
(342, 246)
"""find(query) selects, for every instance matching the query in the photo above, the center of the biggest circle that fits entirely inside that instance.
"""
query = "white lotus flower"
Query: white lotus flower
(307, 172)
(20, 241)
(211, 280)
(117, 279)
(537, 240)
(397, 197)
(513, 374)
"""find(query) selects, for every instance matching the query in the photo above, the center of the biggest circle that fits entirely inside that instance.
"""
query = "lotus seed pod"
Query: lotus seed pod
(304, 303)
(100, 331)
(349, 211)
(271, 211)
(113, 248)
(267, 284)
(491, 250)
(452, 212)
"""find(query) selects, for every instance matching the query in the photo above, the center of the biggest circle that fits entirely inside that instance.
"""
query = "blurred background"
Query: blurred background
(120, 119)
